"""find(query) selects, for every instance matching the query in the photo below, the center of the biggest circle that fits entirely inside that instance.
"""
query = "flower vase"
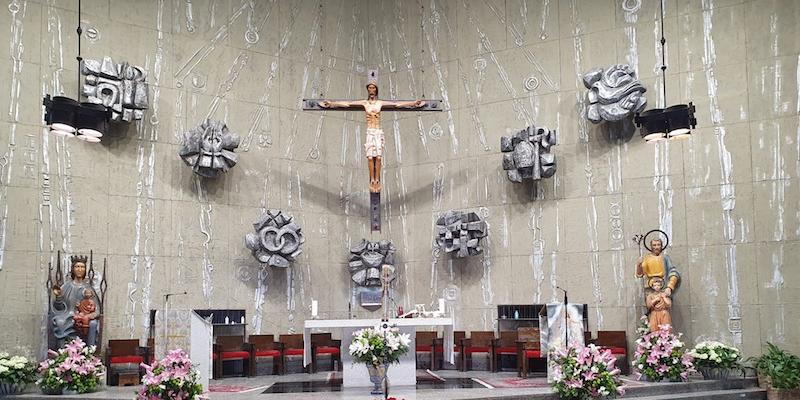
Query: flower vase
(377, 375)
(8, 388)
(713, 373)
(57, 391)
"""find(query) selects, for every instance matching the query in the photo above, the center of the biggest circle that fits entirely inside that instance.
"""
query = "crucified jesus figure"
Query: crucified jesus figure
(375, 137)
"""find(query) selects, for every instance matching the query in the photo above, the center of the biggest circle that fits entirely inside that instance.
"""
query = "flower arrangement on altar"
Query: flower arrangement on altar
(586, 373)
(15, 373)
(170, 378)
(73, 367)
(382, 344)
(661, 355)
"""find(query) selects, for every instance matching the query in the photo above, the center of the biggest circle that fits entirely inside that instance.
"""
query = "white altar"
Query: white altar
(402, 374)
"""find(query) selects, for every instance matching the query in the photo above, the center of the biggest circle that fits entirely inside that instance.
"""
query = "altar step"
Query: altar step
(713, 390)
(746, 389)
(731, 394)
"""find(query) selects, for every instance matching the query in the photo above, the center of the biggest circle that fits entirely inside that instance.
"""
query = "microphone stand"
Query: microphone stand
(166, 319)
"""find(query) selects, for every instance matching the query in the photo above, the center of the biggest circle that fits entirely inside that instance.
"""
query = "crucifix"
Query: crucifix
(373, 145)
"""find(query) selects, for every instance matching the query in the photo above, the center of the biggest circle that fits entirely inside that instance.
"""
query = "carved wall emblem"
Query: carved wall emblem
(527, 154)
(461, 233)
(277, 240)
(119, 86)
(208, 148)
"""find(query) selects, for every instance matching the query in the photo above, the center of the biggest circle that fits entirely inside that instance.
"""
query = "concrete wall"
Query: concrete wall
(728, 196)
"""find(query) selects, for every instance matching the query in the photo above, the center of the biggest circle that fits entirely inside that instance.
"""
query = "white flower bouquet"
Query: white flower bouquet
(379, 345)
(713, 354)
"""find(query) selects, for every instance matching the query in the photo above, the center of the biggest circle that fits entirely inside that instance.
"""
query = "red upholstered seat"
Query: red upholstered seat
(294, 352)
(617, 350)
(268, 353)
(327, 350)
(127, 360)
(424, 349)
(235, 355)
(456, 349)
(479, 350)
(506, 350)
(533, 354)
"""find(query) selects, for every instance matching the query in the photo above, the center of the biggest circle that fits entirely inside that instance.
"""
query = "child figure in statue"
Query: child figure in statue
(658, 304)
(86, 311)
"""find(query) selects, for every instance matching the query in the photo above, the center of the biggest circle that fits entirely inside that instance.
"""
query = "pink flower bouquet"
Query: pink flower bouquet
(170, 378)
(72, 367)
(661, 355)
(586, 373)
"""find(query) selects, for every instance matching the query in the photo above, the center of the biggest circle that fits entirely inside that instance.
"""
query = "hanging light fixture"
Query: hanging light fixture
(674, 122)
(71, 118)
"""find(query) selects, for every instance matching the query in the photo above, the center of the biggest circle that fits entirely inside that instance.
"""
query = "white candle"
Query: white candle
(314, 308)
(441, 305)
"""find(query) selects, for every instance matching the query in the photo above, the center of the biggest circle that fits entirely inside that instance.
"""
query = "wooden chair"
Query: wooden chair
(528, 349)
(264, 346)
(425, 342)
(123, 358)
(231, 348)
(322, 343)
(505, 345)
(479, 342)
(292, 346)
(458, 336)
(617, 342)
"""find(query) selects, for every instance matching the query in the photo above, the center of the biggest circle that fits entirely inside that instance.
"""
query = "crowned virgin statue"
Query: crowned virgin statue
(74, 306)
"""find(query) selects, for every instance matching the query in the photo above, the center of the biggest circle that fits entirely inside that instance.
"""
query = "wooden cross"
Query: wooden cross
(373, 144)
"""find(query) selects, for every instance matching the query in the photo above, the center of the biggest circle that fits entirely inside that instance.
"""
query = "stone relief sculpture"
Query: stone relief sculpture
(460, 232)
(527, 154)
(277, 240)
(75, 307)
(208, 148)
(367, 260)
(120, 87)
(614, 96)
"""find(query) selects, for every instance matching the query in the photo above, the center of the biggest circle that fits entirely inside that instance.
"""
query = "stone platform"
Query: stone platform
(438, 385)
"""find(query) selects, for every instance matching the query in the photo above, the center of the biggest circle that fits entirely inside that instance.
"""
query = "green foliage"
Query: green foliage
(782, 367)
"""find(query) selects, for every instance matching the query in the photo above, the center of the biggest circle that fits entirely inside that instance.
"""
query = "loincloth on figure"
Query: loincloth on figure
(374, 142)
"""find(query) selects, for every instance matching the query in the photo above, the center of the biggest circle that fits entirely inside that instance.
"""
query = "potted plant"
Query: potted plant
(172, 377)
(377, 348)
(660, 355)
(16, 372)
(73, 368)
(715, 360)
(586, 373)
(778, 372)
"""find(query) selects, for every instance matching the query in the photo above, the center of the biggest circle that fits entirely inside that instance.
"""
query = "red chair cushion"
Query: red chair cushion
(126, 360)
(424, 348)
(327, 350)
(533, 354)
(617, 350)
(480, 350)
(456, 349)
(506, 350)
(294, 352)
(268, 353)
(235, 355)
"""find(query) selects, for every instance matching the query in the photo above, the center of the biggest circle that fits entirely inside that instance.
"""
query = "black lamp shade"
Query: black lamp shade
(680, 119)
(653, 124)
(92, 120)
(60, 114)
